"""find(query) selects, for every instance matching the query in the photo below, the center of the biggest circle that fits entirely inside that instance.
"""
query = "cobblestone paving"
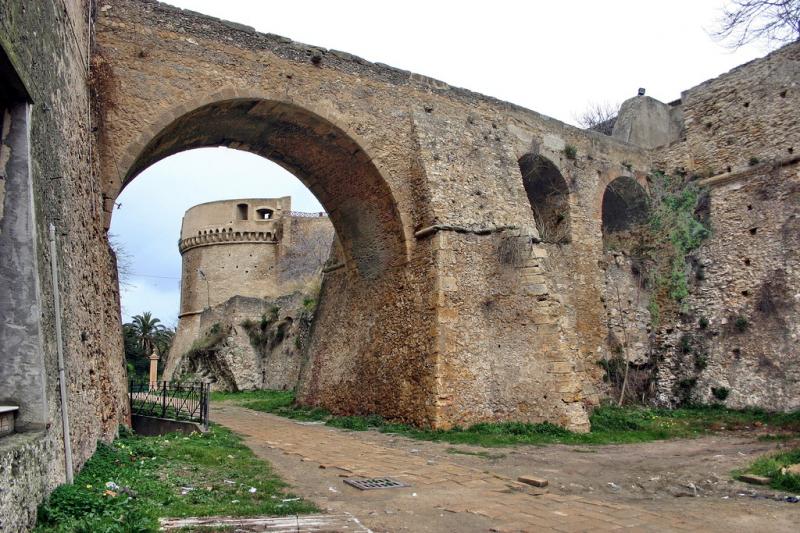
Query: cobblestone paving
(447, 497)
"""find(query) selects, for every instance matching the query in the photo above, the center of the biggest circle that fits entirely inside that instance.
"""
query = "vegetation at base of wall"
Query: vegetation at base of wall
(610, 424)
(774, 466)
(128, 485)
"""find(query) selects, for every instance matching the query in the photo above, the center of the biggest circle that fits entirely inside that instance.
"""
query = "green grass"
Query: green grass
(771, 465)
(152, 473)
(610, 425)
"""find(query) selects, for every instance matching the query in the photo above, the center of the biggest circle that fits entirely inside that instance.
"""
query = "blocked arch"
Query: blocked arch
(548, 195)
(328, 160)
(625, 204)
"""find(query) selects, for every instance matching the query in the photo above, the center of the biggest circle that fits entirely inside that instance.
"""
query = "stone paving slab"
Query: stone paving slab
(447, 488)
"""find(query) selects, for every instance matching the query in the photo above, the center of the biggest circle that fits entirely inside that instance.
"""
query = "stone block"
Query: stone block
(536, 289)
(533, 481)
(754, 479)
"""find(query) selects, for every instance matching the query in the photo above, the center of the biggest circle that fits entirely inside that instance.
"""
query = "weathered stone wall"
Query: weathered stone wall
(261, 345)
(743, 320)
(625, 299)
(742, 130)
(395, 158)
(26, 460)
(743, 115)
(48, 44)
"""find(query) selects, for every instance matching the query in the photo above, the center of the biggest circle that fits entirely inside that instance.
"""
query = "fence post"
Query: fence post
(164, 400)
(206, 388)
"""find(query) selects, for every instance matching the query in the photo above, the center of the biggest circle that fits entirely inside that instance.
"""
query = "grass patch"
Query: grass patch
(128, 485)
(610, 425)
(772, 466)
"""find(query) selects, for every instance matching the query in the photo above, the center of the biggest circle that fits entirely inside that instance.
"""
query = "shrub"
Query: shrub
(700, 361)
(741, 324)
(753, 161)
(570, 152)
(720, 393)
(686, 343)
(703, 322)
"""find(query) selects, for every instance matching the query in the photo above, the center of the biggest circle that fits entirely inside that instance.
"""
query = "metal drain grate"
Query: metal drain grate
(375, 483)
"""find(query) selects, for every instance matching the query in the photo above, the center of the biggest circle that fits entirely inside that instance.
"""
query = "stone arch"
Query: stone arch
(625, 205)
(328, 160)
(548, 194)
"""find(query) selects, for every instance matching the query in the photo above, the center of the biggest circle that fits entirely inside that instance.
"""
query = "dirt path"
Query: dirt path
(457, 492)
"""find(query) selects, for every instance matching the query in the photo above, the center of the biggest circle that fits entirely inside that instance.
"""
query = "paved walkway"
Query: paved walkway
(448, 497)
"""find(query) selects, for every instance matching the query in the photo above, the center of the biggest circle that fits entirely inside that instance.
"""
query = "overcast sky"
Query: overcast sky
(553, 57)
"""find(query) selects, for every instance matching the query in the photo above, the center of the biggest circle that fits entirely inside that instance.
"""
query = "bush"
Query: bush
(741, 324)
(700, 361)
(720, 393)
(570, 152)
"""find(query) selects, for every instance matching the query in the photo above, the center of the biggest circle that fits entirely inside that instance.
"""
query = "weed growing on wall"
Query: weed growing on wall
(677, 229)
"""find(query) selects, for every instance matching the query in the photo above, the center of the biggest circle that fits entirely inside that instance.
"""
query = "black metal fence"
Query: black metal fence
(166, 399)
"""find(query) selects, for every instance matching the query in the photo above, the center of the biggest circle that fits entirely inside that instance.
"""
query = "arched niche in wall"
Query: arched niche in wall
(548, 195)
(625, 207)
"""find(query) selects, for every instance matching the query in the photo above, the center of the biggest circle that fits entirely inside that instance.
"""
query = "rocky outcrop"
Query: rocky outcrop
(250, 343)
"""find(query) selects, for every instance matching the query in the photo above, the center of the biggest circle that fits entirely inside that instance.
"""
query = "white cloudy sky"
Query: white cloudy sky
(554, 57)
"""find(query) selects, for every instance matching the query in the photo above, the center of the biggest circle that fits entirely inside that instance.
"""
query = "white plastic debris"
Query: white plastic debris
(252, 490)
(332, 489)
(112, 486)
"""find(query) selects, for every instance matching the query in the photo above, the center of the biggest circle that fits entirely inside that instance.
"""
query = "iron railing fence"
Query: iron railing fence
(168, 399)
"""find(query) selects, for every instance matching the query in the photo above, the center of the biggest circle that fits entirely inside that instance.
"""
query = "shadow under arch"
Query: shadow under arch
(320, 154)
(548, 195)
(625, 205)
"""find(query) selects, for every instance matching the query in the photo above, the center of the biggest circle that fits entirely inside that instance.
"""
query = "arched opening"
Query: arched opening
(263, 213)
(625, 207)
(356, 313)
(327, 160)
(241, 211)
(548, 195)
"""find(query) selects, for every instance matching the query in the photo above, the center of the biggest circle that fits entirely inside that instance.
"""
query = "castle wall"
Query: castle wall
(742, 133)
(67, 193)
(230, 249)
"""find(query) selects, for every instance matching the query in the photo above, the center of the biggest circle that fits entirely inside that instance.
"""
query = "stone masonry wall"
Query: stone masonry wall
(421, 158)
(744, 305)
(49, 44)
(740, 334)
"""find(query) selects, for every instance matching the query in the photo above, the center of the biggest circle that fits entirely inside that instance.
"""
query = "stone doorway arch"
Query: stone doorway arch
(329, 161)
(355, 362)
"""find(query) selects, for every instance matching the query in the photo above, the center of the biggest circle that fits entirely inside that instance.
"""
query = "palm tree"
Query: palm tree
(149, 333)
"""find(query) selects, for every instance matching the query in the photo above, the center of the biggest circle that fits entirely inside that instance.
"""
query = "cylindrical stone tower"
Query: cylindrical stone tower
(229, 248)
